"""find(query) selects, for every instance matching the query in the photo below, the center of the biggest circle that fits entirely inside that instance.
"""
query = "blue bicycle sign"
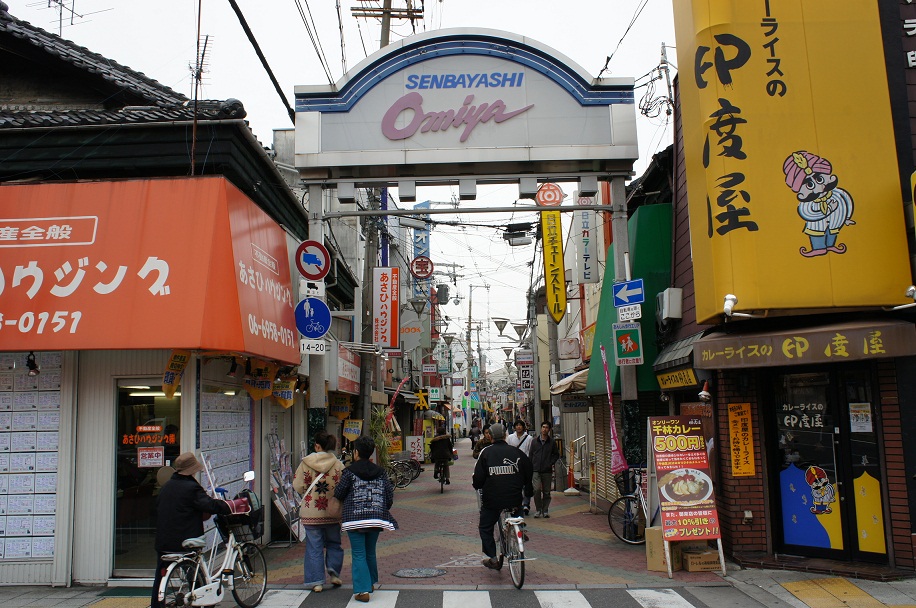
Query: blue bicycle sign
(313, 318)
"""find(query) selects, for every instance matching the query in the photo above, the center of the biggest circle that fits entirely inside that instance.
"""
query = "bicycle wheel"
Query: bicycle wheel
(406, 472)
(627, 521)
(249, 576)
(178, 583)
(501, 546)
(415, 467)
(516, 559)
(398, 476)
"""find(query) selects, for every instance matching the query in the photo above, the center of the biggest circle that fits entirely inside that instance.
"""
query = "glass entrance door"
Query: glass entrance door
(147, 439)
(829, 484)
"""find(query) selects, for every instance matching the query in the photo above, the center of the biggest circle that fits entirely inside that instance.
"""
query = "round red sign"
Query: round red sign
(313, 260)
(550, 195)
(421, 267)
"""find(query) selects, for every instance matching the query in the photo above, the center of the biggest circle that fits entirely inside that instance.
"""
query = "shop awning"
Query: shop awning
(839, 343)
(186, 263)
(676, 354)
(573, 382)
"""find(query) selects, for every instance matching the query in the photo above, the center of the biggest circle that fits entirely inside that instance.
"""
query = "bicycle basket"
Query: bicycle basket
(247, 526)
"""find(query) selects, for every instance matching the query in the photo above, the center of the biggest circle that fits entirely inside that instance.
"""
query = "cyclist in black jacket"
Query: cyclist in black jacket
(502, 474)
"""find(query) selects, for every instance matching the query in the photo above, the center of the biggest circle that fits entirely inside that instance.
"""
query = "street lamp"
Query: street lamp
(500, 325)
(418, 305)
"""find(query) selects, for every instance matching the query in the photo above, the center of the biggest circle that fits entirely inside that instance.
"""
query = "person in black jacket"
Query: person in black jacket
(440, 452)
(502, 474)
(182, 506)
(544, 454)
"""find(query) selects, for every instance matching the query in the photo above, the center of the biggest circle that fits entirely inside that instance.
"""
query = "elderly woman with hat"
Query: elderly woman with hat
(183, 506)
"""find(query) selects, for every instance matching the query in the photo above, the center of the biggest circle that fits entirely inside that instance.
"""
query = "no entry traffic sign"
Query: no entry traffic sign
(313, 260)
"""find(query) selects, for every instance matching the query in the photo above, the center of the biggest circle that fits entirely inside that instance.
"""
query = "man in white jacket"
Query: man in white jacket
(521, 440)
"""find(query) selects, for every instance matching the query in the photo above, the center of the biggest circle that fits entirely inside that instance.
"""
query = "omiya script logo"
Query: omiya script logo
(468, 116)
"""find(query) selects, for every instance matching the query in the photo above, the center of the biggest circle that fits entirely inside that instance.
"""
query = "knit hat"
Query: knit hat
(497, 431)
(800, 165)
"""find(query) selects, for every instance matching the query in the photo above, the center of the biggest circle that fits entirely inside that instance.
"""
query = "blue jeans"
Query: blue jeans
(362, 554)
(318, 540)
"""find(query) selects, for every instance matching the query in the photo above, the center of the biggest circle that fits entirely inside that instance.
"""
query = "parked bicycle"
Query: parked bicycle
(511, 546)
(400, 473)
(191, 581)
(628, 514)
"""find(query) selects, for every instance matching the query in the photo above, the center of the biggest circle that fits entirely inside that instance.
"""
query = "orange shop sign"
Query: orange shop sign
(143, 264)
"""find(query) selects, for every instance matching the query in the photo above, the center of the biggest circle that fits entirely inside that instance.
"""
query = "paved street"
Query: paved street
(434, 561)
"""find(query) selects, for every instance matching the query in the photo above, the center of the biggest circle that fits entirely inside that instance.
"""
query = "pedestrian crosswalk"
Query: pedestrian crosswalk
(499, 598)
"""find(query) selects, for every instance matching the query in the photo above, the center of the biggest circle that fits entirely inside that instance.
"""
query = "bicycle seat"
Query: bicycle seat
(194, 543)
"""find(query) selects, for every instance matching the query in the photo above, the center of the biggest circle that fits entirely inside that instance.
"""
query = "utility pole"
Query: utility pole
(628, 386)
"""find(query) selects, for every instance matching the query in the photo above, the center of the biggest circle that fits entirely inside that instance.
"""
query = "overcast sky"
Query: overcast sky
(160, 40)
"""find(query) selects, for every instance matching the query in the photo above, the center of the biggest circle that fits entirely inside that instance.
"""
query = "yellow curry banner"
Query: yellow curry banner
(792, 174)
(741, 438)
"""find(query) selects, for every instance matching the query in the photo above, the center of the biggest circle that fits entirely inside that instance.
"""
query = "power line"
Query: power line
(312, 30)
(639, 10)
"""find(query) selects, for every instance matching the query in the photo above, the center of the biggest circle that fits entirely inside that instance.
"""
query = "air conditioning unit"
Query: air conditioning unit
(668, 304)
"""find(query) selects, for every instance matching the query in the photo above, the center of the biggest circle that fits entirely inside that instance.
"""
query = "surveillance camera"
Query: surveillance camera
(730, 301)
(705, 396)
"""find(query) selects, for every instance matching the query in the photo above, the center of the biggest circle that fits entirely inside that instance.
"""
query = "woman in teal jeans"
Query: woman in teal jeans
(367, 496)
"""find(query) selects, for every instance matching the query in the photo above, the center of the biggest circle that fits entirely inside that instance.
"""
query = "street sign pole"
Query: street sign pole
(628, 386)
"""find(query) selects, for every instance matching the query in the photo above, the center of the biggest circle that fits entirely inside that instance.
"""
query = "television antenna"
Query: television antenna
(66, 11)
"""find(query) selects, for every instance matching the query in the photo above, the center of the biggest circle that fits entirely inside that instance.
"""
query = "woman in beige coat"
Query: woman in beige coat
(322, 532)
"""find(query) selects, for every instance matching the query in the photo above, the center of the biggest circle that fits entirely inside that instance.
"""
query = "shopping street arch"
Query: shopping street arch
(464, 107)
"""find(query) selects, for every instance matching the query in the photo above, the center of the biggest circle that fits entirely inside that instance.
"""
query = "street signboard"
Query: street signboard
(429, 368)
(314, 347)
(629, 292)
(421, 267)
(313, 318)
(523, 357)
(457, 381)
(313, 260)
(628, 343)
(526, 377)
(629, 313)
(435, 393)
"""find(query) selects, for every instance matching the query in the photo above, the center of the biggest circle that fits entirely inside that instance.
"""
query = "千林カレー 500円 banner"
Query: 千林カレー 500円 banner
(143, 264)
(792, 176)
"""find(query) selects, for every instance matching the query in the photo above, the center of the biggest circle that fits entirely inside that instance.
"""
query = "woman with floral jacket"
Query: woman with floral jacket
(322, 531)
(367, 496)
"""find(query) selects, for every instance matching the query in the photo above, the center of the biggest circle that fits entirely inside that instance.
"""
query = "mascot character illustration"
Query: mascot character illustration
(822, 491)
(824, 207)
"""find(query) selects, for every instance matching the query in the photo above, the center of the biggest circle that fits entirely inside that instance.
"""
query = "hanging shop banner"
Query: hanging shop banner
(282, 391)
(171, 379)
(339, 406)
(347, 376)
(386, 307)
(554, 265)
(193, 255)
(259, 383)
(352, 429)
(741, 437)
(685, 489)
(774, 161)
(618, 460)
(584, 234)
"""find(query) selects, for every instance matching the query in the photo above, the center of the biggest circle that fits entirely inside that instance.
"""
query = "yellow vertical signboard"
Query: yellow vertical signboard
(741, 439)
(794, 192)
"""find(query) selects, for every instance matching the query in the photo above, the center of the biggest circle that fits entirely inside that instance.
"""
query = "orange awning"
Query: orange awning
(144, 264)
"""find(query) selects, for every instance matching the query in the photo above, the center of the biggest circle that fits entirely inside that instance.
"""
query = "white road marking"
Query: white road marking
(282, 598)
(562, 599)
(378, 599)
(659, 598)
(466, 599)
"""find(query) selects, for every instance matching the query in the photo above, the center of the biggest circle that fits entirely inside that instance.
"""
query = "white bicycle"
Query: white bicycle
(512, 546)
(189, 580)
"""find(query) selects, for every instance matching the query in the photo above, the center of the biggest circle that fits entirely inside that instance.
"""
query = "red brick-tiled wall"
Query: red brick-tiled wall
(897, 496)
(735, 495)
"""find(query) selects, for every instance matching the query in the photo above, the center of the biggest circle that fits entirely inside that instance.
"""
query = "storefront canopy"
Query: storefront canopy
(573, 382)
(839, 343)
(188, 263)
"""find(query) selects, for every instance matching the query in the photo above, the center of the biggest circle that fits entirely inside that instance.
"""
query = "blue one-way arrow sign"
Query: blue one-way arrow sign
(629, 292)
